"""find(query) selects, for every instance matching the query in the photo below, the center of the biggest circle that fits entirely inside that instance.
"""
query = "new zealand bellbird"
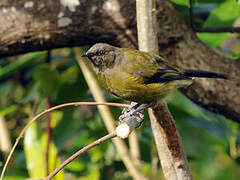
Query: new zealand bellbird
(139, 76)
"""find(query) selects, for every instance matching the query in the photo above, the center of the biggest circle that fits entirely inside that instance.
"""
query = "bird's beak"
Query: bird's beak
(84, 55)
(89, 56)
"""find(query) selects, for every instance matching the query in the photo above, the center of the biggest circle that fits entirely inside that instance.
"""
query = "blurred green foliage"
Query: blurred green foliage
(216, 19)
(210, 141)
(215, 14)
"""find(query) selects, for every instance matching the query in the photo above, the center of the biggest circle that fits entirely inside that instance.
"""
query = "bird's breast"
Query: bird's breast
(133, 88)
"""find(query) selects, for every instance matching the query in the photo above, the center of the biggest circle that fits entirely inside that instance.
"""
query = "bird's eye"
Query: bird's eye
(101, 53)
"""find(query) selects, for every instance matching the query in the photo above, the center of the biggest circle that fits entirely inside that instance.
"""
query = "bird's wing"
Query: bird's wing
(150, 68)
(165, 72)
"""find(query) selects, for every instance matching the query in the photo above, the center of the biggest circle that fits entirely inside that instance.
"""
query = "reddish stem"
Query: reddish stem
(48, 131)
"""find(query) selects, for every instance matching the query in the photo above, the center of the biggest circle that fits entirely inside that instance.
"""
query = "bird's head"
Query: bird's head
(102, 55)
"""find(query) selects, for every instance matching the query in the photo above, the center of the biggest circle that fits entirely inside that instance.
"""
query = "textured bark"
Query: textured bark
(170, 150)
(47, 24)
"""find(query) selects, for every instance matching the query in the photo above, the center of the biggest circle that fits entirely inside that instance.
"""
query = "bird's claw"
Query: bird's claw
(131, 113)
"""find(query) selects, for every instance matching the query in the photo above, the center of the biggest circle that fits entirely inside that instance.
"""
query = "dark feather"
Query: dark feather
(166, 75)
(206, 74)
(171, 74)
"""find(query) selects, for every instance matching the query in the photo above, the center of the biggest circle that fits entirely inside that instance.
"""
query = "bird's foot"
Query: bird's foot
(135, 112)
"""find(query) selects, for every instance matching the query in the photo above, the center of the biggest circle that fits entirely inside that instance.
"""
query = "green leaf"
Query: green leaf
(8, 110)
(14, 173)
(54, 160)
(94, 173)
(196, 2)
(20, 63)
(70, 75)
(56, 117)
(223, 16)
(47, 78)
(35, 148)
(76, 165)
(96, 154)
(34, 153)
(207, 1)
(181, 2)
(11, 92)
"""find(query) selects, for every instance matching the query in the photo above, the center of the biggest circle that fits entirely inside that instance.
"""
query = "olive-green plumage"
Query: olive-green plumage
(139, 76)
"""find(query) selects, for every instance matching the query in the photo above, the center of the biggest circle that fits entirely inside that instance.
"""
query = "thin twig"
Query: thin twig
(48, 130)
(47, 111)
(81, 151)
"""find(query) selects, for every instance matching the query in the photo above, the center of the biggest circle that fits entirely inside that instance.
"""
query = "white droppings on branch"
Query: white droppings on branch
(64, 21)
(28, 4)
(71, 4)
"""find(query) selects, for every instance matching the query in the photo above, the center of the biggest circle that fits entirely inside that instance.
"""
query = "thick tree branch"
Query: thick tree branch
(169, 145)
(45, 24)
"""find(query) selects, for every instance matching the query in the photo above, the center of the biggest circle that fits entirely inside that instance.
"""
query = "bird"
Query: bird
(138, 76)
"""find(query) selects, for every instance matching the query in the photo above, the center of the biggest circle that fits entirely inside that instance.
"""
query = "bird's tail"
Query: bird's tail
(204, 74)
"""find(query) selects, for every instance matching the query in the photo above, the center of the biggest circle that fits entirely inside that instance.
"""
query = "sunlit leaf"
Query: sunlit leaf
(223, 16)
(181, 2)
(56, 117)
(208, 1)
(34, 153)
(35, 148)
(75, 165)
(196, 2)
(54, 160)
